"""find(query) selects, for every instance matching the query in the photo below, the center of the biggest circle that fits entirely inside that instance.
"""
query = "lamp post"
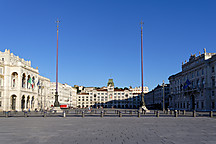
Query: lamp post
(56, 103)
(163, 98)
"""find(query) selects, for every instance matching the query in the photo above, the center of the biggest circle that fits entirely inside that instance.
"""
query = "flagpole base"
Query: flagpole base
(56, 103)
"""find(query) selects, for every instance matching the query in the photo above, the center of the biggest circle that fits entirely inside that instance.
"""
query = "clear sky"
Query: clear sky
(100, 39)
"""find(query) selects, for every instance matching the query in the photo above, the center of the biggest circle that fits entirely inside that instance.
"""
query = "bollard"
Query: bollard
(117, 112)
(179, 112)
(194, 113)
(211, 114)
(158, 114)
(6, 114)
(184, 112)
(176, 113)
(144, 112)
(131, 112)
(26, 114)
(45, 114)
(138, 114)
(171, 112)
(104, 111)
(120, 114)
(9, 113)
(64, 113)
(102, 114)
(83, 114)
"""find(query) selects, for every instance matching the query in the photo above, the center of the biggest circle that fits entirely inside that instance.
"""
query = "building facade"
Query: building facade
(22, 88)
(154, 98)
(108, 97)
(138, 90)
(194, 87)
(18, 79)
(67, 94)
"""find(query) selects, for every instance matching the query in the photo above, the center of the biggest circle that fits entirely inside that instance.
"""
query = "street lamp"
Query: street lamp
(163, 97)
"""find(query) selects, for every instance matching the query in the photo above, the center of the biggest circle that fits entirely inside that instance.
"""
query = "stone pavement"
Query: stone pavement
(125, 130)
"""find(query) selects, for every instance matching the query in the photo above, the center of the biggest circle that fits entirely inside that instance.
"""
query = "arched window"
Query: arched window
(24, 80)
(32, 102)
(14, 78)
(23, 102)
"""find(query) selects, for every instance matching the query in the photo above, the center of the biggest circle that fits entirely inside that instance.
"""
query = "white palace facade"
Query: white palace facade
(22, 88)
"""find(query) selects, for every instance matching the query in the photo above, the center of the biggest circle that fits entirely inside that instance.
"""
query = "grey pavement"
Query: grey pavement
(107, 130)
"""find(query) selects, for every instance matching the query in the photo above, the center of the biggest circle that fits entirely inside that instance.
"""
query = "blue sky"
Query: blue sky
(100, 39)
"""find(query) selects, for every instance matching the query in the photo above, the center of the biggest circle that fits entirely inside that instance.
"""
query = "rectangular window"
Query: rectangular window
(202, 105)
(213, 93)
(213, 69)
(114, 93)
(197, 72)
(2, 59)
(202, 71)
(1, 70)
(213, 105)
(0, 93)
(213, 82)
(1, 82)
(0, 103)
(197, 104)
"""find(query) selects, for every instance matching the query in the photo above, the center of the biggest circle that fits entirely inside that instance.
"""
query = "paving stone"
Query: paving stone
(107, 130)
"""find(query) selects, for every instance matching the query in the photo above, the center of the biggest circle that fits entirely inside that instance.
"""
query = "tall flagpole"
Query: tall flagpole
(56, 103)
(142, 93)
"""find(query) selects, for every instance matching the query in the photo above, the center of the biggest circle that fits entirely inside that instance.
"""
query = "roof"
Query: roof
(83, 94)
(101, 89)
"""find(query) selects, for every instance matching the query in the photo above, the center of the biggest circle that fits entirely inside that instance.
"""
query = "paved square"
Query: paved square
(132, 130)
